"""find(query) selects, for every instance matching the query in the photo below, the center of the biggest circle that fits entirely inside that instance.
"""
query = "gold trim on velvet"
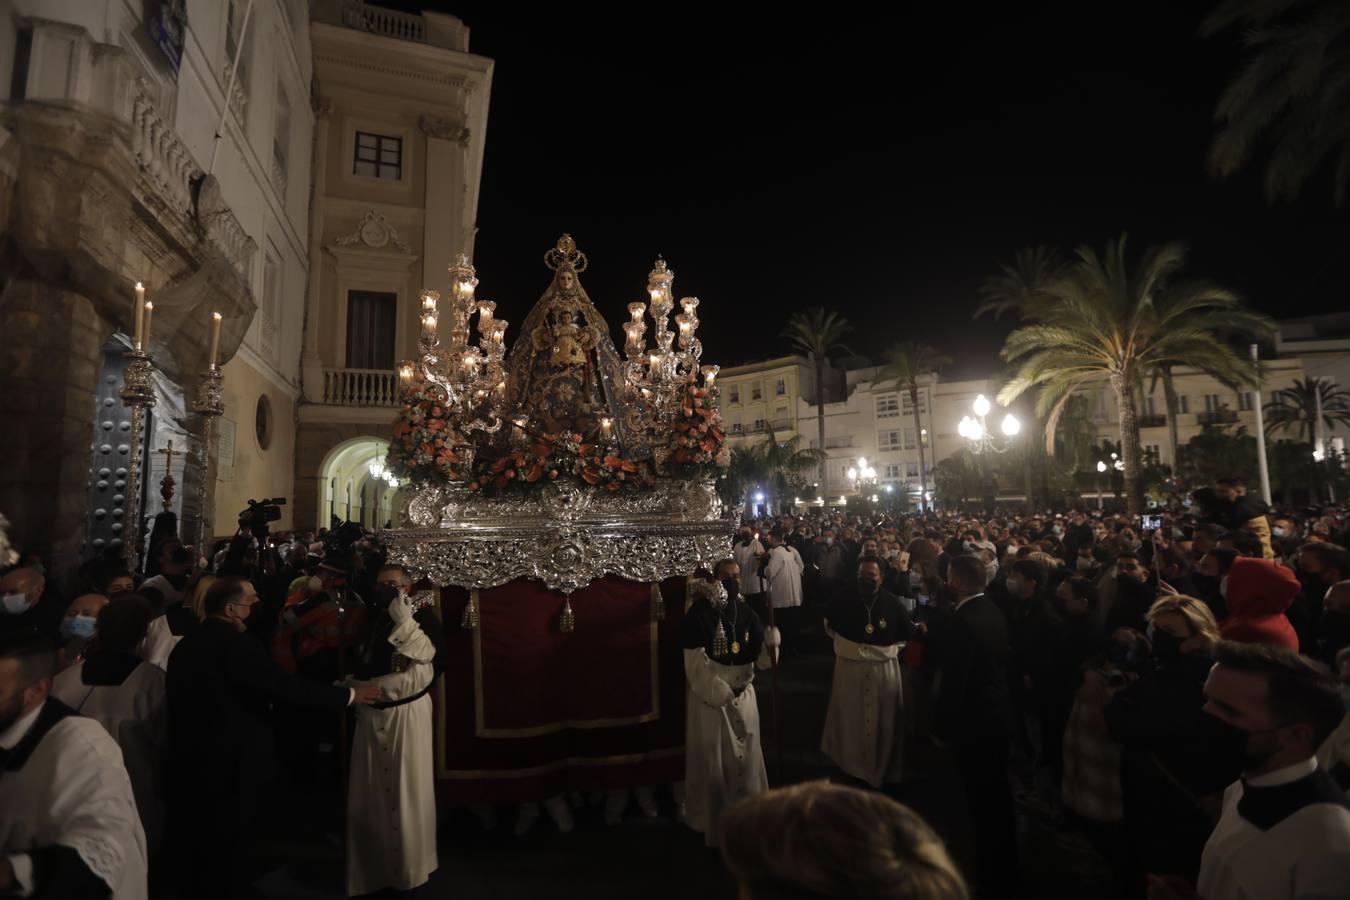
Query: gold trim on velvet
(621, 760)
(480, 726)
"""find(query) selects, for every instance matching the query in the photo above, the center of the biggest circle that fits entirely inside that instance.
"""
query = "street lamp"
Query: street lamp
(976, 430)
(1101, 470)
(862, 474)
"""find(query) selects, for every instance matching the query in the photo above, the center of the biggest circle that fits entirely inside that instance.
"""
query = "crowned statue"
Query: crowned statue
(562, 371)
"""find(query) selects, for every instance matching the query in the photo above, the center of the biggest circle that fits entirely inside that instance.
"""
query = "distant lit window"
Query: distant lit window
(378, 156)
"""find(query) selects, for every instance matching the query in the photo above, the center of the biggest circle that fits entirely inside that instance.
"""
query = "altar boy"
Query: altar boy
(722, 639)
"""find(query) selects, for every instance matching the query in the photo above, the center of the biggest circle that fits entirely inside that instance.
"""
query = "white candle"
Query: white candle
(140, 315)
(215, 338)
(149, 312)
(606, 424)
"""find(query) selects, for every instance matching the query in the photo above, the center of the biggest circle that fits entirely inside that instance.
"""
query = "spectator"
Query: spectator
(823, 840)
(1257, 593)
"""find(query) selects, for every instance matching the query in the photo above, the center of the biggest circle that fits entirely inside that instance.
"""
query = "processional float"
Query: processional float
(559, 496)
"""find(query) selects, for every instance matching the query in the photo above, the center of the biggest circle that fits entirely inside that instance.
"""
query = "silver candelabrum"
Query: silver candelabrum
(210, 407)
(137, 395)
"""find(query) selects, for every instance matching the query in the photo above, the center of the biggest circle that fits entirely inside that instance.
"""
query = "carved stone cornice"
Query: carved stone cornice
(444, 129)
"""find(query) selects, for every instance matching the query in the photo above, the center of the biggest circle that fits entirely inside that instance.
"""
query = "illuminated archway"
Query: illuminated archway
(350, 491)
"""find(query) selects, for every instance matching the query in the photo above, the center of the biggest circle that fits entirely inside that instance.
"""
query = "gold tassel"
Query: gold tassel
(658, 604)
(470, 620)
(567, 622)
(720, 641)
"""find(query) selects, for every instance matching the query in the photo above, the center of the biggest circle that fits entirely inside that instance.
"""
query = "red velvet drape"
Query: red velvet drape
(526, 711)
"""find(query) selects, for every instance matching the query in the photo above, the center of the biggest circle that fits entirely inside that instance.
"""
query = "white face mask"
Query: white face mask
(16, 603)
(829, 541)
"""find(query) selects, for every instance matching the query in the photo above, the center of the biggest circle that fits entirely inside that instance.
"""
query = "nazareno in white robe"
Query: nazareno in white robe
(133, 714)
(864, 728)
(391, 797)
(723, 758)
(74, 792)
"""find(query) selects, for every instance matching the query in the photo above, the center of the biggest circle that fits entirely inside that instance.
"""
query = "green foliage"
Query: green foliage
(1295, 409)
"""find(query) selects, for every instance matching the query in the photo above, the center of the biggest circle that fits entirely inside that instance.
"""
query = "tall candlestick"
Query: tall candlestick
(149, 312)
(215, 338)
(140, 315)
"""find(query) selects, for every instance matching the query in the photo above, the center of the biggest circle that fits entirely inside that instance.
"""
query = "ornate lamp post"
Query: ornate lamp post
(982, 442)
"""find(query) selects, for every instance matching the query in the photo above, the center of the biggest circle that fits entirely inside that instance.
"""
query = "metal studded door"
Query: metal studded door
(110, 459)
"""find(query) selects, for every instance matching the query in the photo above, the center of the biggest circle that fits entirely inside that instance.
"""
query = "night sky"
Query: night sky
(880, 166)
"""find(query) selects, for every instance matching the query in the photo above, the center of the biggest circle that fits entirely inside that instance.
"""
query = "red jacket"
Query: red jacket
(1259, 592)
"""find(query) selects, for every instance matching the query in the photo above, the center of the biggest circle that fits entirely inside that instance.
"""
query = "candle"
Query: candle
(215, 339)
(636, 309)
(149, 311)
(606, 425)
(405, 372)
(429, 299)
(140, 315)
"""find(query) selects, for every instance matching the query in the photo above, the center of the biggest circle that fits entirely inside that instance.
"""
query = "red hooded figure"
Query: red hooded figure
(1259, 592)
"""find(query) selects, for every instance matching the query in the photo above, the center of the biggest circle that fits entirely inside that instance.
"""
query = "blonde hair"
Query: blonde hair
(825, 840)
(197, 603)
(1194, 611)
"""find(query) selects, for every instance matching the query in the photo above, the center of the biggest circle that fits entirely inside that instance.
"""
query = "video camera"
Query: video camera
(259, 513)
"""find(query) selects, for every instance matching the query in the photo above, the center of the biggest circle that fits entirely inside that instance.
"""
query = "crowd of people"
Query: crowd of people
(163, 735)
(1170, 692)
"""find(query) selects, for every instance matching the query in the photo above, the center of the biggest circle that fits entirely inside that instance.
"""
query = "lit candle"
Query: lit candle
(149, 311)
(405, 372)
(429, 299)
(466, 290)
(485, 311)
(636, 309)
(215, 338)
(140, 315)
(606, 427)
(709, 376)
(654, 364)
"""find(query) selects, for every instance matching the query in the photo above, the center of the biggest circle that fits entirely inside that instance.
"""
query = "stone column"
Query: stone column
(311, 361)
(50, 357)
(442, 237)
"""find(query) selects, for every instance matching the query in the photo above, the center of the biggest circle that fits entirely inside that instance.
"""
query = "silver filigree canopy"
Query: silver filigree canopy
(565, 535)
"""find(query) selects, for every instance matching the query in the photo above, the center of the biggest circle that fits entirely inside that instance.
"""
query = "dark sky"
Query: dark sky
(878, 165)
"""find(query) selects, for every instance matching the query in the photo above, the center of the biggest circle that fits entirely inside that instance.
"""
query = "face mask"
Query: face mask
(180, 557)
(1166, 646)
(867, 586)
(829, 541)
(732, 585)
(16, 604)
(1228, 741)
(990, 570)
(1058, 530)
(745, 540)
(78, 627)
(1280, 532)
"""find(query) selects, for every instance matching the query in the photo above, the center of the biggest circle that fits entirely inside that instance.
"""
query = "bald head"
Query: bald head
(27, 581)
(86, 605)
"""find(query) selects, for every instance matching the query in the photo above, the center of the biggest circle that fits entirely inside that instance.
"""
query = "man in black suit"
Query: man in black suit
(973, 716)
(221, 687)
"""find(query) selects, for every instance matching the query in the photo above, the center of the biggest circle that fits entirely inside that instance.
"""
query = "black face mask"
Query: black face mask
(867, 586)
(745, 540)
(384, 595)
(733, 587)
(1166, 646)
(1229, 743)
(1120, 655)
(180, 557)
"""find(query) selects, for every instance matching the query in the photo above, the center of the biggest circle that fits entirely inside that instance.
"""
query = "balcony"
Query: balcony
(1217, 417)
(1152, 421)
(378, 20)
(361, 387)
(840, 443)
(1281, 413)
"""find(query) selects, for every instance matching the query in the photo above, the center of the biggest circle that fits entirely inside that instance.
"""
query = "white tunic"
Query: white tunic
(784, 576)
(1305, 856)
(391, 797)
(864, 730)
(74, 792)
(746, 557)
(723, 758)
(159, 643)
(133, 715)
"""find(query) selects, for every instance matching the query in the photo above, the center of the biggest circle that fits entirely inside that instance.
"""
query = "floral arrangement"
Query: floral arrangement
(549, 457)
(424, 445)
(696, 437)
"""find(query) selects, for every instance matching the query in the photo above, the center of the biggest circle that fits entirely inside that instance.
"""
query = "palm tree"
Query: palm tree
(1297, 407)
(1106, 320)
(1292, 97)
(1164, 374)
(906, 363)
(785, 462)
(1020, 288)
(816, 334)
